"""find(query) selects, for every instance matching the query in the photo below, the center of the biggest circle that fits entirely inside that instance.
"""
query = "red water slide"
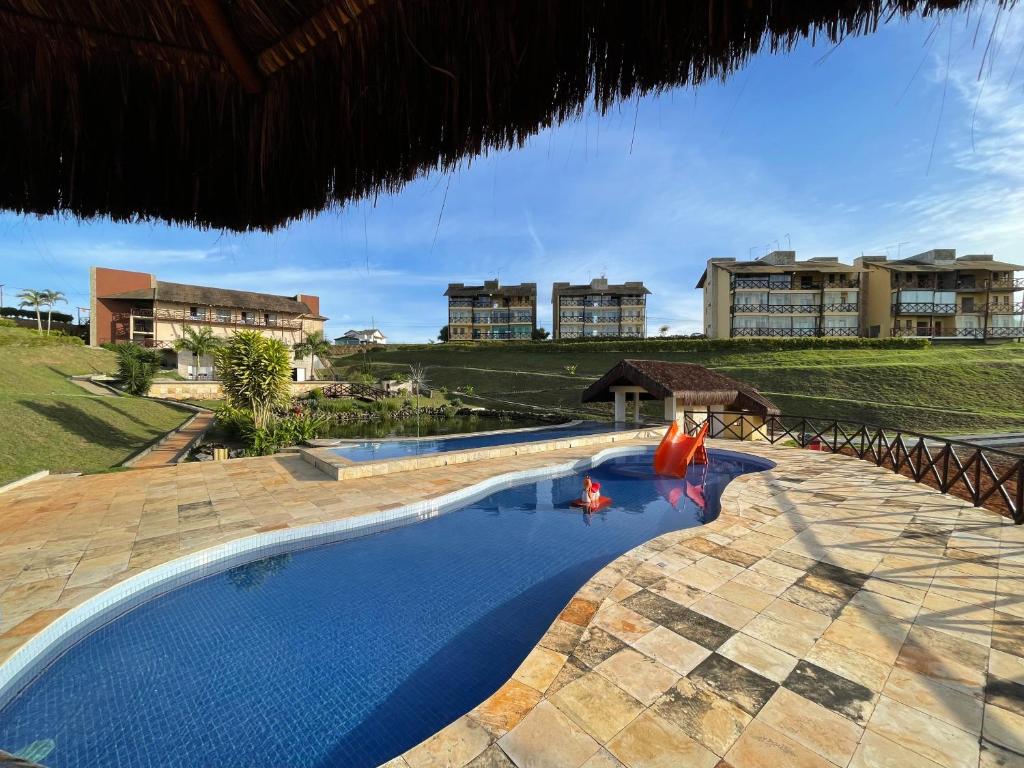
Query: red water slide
(678, 450)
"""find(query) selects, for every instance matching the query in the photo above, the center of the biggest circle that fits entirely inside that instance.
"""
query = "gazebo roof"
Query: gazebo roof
(690, 384)
(246, 114)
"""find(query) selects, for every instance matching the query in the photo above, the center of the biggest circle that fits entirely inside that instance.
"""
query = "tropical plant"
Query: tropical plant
(314, 346)
(443, 334)
(571, 369)
(663, 330)
(49, 299)
(539, 334)
(136, 367)
(199, 341)
(255, 373)
(36, 300)
(469, 390)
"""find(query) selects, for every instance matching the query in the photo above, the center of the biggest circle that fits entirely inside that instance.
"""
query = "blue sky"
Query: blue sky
(906, 140)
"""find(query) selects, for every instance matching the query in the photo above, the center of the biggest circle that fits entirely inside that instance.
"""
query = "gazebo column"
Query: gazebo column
(636, 407)
(620, 405)
(670, 408)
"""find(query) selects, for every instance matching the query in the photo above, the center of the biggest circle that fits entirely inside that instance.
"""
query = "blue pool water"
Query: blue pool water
(379, 450)
(346, 654)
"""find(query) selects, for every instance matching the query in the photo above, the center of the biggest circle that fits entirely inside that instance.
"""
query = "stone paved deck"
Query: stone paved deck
(834, 615)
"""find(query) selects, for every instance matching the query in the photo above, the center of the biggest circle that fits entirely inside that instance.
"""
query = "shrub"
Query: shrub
(469, 390)
(5, 323)
(136, 367)
(255, 372)
(334, 406)
(687, 344)
(315, 396)
(280, 433)
(571, 369)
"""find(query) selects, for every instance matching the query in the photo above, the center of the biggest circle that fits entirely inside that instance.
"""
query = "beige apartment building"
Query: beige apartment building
(491, 311)
(599, 309)
(777, 295)
(137, 307)
(938, 295)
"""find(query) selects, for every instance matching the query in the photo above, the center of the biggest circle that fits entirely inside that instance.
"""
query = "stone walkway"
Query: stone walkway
(834, 615)
(168, 451)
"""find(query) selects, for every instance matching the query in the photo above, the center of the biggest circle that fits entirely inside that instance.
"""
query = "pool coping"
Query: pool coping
(339, 468)
(340, 441)
(44, 647)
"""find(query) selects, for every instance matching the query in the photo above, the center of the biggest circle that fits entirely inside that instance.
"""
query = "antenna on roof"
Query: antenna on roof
(899, 247)
(750, 251)
(789, 243)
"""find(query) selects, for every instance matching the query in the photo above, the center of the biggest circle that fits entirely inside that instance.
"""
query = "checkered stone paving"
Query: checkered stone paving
(835, 614)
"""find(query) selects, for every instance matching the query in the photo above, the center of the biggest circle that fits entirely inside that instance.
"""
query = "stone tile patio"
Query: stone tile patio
(834, 615)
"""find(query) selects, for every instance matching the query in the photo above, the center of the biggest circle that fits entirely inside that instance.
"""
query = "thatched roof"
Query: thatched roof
(205, 296)
(248, 113)
(690, 384)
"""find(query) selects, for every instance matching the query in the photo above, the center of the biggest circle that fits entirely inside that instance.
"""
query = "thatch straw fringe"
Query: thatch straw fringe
(126, 108)
(689, 384)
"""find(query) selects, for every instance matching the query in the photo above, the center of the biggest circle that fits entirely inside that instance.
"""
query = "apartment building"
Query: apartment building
(491, 311)
(599, 309)
(137, 307)
(777, 295)
(939, 295)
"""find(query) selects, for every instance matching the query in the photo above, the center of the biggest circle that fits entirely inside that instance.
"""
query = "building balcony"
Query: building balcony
(774, 283)
(783, 309)
(460, 302)
(990, 332)
(1005, 309)
(1008, 284)
(796, 332)
(923, 308)
(213, 318)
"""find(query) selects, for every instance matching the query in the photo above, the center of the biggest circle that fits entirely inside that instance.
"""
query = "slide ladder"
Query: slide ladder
(678, 450)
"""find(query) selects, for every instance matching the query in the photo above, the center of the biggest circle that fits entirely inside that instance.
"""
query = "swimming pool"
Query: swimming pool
(346, 654)
(380, 450)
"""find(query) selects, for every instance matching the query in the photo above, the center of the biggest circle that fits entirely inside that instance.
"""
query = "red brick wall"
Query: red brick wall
(313, 302)
(107, 281)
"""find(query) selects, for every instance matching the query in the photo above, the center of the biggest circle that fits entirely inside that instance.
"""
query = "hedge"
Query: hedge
(684, 344)
(30, 314)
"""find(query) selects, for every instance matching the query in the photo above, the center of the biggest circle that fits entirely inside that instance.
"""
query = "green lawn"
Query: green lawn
(941, 389)
(50, 423)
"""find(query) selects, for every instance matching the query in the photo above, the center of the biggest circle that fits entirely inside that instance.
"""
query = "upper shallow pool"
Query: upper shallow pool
(347, 654)
(378, 450)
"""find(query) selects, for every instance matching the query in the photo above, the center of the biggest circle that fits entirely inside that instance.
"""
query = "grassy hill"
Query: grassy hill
(938, 389)
(50, 423)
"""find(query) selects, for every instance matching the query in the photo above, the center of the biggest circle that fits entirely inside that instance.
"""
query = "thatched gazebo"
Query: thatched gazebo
(248, 113)
(684, 388)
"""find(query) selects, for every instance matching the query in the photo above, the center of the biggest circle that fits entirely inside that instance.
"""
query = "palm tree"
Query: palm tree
(34, 299)
(50, 298)
(200, 342)
(315, 346)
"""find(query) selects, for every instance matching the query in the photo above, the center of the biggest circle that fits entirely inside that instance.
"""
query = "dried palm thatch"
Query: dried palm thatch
(247, 113)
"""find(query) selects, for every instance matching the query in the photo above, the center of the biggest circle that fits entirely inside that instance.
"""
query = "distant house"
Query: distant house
(365, 336)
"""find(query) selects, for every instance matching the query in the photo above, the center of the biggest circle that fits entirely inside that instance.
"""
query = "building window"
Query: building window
(197, 313)
(968, 304)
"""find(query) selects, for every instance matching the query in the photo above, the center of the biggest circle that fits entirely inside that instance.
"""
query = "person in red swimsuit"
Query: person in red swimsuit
(591, 496)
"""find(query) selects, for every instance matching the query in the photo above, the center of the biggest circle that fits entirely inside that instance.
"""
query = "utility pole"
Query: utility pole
(1, 294)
